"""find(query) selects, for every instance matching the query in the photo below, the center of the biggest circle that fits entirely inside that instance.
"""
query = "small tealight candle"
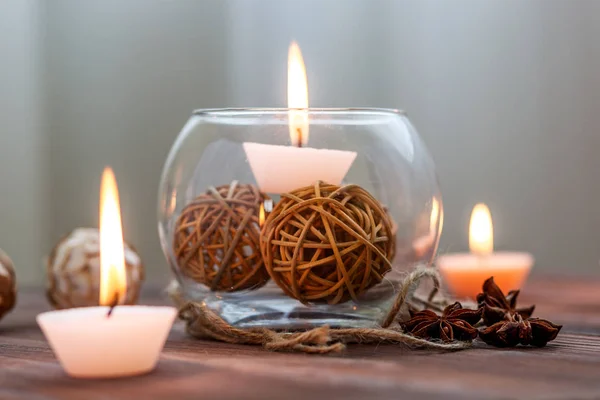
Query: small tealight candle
(281, 169)
(108, 341)
(464, 273)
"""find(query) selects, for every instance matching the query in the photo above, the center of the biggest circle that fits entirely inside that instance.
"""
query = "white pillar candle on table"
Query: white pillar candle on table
(280, 169)
(93, 342)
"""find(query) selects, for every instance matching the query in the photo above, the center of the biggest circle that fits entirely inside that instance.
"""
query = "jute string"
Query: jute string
(203, 323)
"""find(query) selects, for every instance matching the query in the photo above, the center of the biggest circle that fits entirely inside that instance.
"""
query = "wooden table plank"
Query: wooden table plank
(568, 368)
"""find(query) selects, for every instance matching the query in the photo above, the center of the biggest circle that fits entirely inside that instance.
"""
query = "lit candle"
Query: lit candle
(108, 341)
(465, 273)
(280, 169)
(425, 247)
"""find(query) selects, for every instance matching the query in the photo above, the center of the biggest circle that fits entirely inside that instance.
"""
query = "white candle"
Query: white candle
(88, 344)
(280, 169)
(93, 343)
(464, 273)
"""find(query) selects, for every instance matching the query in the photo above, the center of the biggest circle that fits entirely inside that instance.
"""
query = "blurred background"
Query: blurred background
(505, 93)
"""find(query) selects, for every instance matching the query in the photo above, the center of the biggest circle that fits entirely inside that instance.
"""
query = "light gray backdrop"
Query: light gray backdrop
(506, 94)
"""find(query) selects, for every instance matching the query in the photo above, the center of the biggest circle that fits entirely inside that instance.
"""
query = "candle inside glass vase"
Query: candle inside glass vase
(281, 169)
(111, 340)
(464, 273)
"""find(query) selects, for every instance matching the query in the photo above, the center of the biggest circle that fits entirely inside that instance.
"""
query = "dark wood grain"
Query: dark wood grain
(192, 369)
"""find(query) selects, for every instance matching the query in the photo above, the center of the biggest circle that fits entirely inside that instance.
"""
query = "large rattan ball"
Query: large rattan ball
(327, 243)
(8, 284)
(217, 237)
(73, 269)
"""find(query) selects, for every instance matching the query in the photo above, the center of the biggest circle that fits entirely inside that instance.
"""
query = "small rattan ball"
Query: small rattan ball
(8, 284)
(327, 243)
(217, 237)
(73, 269)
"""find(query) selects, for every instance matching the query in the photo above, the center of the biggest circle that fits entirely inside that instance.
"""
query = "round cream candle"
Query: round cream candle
(464, 273)
(108, 341)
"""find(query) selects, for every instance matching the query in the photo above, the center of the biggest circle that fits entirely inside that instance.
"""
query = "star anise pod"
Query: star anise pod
(515, 330)
(455, 323)
(496, 306)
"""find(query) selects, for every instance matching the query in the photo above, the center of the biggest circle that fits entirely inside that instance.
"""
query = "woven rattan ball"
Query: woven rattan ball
(327, 243)
(217, 238)
(8, 284)
(73, 269)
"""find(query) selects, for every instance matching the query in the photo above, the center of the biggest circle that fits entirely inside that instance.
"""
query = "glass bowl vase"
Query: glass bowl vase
(291, 228)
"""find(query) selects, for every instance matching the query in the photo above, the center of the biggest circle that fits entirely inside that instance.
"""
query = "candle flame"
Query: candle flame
(481, 230)
(261, 215)
(436, 214)
(297, 96)
(113, 280)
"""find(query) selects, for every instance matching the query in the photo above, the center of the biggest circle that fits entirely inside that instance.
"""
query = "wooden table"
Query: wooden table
(569, 367)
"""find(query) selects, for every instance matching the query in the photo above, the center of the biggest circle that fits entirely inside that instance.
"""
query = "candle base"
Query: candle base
(464, 274)
(108, 375)
(88, 344)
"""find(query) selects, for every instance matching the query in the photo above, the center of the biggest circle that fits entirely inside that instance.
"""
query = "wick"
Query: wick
(113, 304)
(299, 131)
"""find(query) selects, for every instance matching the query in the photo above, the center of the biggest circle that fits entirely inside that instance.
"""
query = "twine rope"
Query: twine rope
(203, 323)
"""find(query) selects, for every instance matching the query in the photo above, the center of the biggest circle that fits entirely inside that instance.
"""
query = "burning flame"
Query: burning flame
(481, 230)
(297, 96)
(436, 212)
(261, 215)
(113, 280)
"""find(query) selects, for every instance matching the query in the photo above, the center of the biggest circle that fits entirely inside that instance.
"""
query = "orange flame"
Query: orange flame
(297, 96)
(113, 279)
(261, 215)
(481, 230)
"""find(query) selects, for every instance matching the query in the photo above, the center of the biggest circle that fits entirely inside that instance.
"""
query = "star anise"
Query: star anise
(455, 323)
(516, 330)
(496, 306)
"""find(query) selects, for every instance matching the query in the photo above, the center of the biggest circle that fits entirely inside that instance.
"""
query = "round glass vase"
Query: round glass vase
(274, 230)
